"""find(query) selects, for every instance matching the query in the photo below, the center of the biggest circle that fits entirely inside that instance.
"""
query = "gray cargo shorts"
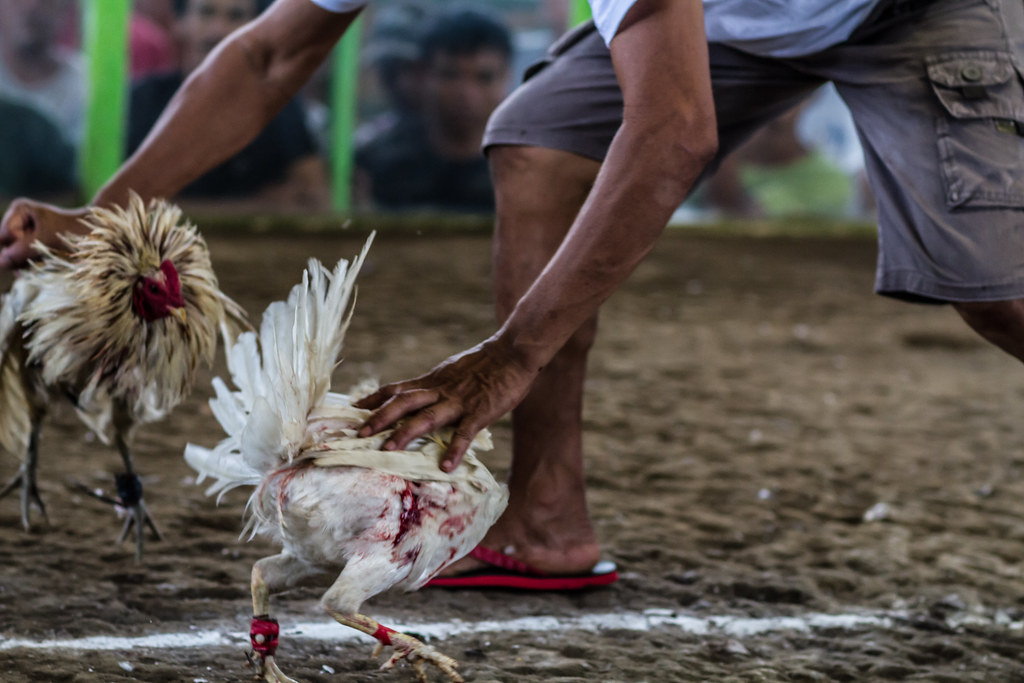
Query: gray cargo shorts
(936, 92)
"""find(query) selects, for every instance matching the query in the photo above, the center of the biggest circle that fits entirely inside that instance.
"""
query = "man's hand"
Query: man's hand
(26, 222)
(468, 391)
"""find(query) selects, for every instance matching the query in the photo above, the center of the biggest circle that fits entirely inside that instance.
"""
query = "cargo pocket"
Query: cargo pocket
(981, 141)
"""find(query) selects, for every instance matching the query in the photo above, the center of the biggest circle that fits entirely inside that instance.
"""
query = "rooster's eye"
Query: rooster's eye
(153, 289)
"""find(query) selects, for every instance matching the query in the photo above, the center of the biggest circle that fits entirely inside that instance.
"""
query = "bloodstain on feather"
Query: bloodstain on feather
(284, 476)
(453, 526)
(411, 511)
(452, 553)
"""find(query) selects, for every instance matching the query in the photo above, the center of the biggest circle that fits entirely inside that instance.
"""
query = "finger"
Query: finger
(460, 443)
(377, 398)
(428, 419)
(15, 256)
(396, 408)
(15, 223)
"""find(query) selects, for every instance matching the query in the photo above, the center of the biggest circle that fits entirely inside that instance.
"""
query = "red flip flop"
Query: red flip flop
(504, 571)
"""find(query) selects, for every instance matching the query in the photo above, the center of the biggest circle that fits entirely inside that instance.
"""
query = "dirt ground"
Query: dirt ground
(750, 400)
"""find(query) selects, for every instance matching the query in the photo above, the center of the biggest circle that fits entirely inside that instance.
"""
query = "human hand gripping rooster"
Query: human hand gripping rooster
(330, 498)
(119, 325)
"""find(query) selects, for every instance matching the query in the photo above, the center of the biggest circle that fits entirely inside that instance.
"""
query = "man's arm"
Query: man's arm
(667, 136)
(229, 99)
(221, 107)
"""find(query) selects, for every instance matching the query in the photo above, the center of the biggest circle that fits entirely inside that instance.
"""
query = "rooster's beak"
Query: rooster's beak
(179, 313)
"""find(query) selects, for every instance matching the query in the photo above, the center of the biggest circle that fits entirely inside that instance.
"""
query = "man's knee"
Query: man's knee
(518, 165)
(514, 158)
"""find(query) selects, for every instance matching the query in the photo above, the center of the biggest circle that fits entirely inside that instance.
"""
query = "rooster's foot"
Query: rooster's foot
(129, 491)
(139, 518)
(29, 495)
(266, 668)
(418, 653)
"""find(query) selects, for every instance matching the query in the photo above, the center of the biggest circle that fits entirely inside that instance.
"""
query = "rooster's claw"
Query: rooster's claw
(139, 518)
(29, 495)
(266, 668)
(418, 653)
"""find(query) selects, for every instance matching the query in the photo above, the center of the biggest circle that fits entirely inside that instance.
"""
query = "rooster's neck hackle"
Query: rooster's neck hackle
(84, 331)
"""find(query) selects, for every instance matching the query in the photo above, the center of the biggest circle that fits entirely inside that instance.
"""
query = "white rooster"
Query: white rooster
(119, 325)
(330, 498)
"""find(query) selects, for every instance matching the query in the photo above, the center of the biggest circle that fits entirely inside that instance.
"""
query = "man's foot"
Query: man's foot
(555, 542)
(498, 570)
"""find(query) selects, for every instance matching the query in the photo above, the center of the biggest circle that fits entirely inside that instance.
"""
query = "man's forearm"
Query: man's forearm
(218, 110)
(642, 182)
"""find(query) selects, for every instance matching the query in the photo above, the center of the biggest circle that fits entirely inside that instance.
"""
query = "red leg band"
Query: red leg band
(263, 634)
(381, 634)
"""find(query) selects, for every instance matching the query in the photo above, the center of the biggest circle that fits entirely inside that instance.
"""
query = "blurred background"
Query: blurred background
(391, 124)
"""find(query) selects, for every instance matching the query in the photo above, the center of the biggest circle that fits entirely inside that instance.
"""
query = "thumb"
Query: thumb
(15, 256)
(18, 222)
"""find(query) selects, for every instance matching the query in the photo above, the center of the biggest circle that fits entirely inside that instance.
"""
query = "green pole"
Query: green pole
(579, 11)
(105, 39)
(344, 82)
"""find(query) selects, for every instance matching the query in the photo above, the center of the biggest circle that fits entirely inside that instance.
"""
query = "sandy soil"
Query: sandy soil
(750, 400)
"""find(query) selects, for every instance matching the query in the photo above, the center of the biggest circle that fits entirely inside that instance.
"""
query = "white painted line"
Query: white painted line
(97, 643)
(722, 625)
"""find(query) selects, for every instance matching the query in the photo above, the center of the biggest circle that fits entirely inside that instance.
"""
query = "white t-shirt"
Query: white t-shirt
(770, 28)
(341, 5)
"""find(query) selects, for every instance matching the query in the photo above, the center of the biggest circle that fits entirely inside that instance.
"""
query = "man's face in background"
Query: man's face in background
(206, 23)
(463, 89)
(31, 25)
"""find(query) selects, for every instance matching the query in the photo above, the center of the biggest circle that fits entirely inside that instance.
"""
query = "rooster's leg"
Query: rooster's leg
(26, 479)
(361, 579)
(270, 575)
(129, 489)
(406, 646)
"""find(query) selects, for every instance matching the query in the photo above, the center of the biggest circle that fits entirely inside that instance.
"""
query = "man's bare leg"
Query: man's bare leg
(999, 322)
(546, 525)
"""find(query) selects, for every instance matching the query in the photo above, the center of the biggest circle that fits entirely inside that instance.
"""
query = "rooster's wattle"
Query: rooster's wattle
(119, 324)
(328, 497)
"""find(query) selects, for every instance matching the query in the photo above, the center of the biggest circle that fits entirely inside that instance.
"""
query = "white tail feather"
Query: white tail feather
(280, 378)
(224, 464)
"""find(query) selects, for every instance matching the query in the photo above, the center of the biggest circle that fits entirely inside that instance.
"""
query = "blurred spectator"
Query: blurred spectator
(433, 160)
(826, 125)
(151, 39)
(393, 53)
(280, 168)
(36, 158)
(806, 162)
(36, 70)
(390, 81)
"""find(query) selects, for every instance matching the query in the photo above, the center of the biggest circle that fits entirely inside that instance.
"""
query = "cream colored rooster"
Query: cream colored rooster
(119, 325)
(331, 499)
